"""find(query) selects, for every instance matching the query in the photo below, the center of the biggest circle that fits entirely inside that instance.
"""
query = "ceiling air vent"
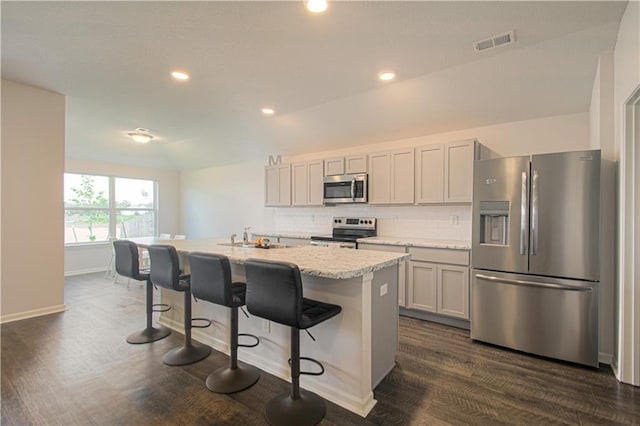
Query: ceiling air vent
(495, 41)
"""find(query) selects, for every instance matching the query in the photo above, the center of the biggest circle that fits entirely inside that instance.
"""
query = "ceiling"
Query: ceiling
(112, 60)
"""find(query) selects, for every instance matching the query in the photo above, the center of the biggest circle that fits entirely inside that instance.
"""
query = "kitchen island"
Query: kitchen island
(357, 348)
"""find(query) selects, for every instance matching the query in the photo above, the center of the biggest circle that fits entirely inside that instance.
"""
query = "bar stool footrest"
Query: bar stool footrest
(244, 345)
(207, 322)
(163, 307)
(311, 373)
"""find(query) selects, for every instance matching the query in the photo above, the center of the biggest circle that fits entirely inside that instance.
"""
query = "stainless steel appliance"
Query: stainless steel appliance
(535, 254)
(344, 189)
(346, 231)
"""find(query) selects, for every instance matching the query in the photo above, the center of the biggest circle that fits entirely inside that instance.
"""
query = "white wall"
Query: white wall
(626, 80)
(220, 201)
(33, 132)
(95, 257)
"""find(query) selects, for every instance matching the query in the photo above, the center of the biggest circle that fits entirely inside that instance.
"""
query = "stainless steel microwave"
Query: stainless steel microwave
(343, 189)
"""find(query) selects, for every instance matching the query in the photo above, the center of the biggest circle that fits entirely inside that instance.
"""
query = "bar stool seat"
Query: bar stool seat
(166, 273)
(127, 264)
(211, 281)
(274, 292)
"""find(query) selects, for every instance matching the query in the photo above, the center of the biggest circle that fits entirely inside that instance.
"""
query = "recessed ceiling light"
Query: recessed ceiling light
(316, 6)
(268, 111)
(387, 75)
(180, 75)
(140, 137)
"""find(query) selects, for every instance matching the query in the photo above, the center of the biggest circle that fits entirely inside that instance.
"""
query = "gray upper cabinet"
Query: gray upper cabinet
(355, 164)
(458, 171)
(277, 185)
(334, 166)
(391, 177)
(306, 183)
(444, 172)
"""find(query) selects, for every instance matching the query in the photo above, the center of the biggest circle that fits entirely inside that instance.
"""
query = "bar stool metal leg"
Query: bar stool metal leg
(236, 377)
(301, 407)
(151, 333)
(189, 353)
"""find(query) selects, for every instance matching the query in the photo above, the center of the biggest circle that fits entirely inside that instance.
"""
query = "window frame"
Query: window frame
(111, 208)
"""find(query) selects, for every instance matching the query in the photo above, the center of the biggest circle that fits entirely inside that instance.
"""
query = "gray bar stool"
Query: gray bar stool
(211, 281)
(274, 292)
(166, 273)
(128, 265)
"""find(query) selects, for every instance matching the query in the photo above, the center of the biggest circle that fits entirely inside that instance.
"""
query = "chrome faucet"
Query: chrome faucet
(245, 236)
(233, 239)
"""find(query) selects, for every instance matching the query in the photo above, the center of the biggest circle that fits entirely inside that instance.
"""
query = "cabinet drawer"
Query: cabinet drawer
(455, 257)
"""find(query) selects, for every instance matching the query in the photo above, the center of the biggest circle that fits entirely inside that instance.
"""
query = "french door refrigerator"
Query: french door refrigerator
(535, 254)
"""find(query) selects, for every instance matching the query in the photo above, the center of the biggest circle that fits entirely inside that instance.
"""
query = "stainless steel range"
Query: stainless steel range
(346, 231)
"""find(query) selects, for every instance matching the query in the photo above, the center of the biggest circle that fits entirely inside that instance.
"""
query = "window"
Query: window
(97, 207)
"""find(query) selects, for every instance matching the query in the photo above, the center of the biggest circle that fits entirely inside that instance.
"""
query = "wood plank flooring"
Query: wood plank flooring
(75, 368)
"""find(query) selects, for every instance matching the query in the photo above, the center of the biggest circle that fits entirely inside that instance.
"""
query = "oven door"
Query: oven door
(345, 189)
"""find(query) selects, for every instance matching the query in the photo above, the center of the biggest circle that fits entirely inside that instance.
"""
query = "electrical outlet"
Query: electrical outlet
(384, 289)
(266, 326)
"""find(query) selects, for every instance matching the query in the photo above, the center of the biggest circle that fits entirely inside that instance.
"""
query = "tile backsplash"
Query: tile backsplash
(441, 222)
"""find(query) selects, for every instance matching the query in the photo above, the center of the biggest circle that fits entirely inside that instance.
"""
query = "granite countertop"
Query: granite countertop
(317, 261)
(418, 242)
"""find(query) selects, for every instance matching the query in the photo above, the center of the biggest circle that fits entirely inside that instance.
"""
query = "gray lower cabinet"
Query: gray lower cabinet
(294, 242)
(401, 270)
(438, 287)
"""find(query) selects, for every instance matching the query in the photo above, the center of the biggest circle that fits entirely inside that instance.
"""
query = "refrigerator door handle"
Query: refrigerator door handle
(524, 213)
(534, 213)
(532, 283)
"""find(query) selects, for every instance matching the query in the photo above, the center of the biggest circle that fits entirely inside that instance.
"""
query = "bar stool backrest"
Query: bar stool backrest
(274, 291)
(127, 259)
(211, 278)
(165, 270)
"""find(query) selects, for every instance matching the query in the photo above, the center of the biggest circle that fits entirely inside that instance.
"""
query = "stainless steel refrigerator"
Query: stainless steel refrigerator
(535, 254)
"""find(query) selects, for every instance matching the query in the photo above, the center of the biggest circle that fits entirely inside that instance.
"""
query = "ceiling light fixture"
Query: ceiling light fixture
(140, 136)
(268, 111)
(316, 6)
(386, 75)
(180, 75)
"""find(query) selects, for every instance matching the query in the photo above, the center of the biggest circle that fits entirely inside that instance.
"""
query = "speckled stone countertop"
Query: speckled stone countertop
(317, 261)
(286, 234)
(418, 242)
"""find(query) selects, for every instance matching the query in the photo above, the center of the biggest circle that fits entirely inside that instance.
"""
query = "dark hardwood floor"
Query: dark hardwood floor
(75, 368)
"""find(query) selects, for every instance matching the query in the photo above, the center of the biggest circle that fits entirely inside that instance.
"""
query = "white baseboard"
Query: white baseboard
(32, 314)
(85, 271)
(605, 358)
(360, 407)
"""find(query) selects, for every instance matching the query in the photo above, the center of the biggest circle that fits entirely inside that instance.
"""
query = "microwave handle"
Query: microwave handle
(353, 188)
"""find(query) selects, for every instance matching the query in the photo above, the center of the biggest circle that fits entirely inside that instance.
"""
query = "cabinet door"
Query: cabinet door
(299, 184)
(453, 291)
(284, 185)
(458, 176)
(271, 186)
(430, 174)
(402, 267)
(355, 164)
(380, 178)
(402, 176)
(316, 173)
(422, 286)
(334, 166)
